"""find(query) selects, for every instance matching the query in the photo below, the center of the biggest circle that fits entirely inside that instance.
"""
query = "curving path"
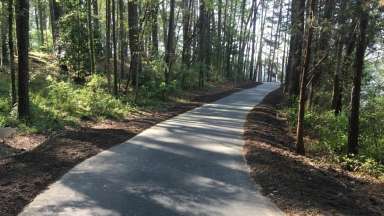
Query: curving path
(189, 165)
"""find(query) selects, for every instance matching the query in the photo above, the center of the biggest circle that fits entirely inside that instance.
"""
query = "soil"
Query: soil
(302, 185)
(36, 164)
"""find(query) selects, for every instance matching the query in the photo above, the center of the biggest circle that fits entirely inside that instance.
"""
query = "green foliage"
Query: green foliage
(91, 100)
(159, 90)
(332, 131)
(74, 40)
(372, 127)
(63, 103)
(361, 163)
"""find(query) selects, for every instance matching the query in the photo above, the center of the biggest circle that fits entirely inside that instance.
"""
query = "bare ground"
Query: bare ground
(303, 185)
(25, 175)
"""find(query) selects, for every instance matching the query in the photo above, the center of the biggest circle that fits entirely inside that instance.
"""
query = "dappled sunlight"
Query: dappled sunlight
(189, 165)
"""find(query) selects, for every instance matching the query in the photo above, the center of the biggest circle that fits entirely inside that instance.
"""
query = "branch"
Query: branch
(312, 72)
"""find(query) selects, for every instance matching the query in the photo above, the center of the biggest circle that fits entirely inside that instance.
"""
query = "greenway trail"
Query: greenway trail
(191, 164)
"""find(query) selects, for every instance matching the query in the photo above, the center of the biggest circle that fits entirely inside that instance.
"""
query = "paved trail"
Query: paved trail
(189, 165)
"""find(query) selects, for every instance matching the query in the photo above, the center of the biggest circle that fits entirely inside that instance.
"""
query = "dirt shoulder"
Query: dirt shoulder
(302, 185)
(25, 176)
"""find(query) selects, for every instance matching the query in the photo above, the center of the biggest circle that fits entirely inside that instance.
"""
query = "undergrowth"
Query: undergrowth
(330, 133)
(62, 103)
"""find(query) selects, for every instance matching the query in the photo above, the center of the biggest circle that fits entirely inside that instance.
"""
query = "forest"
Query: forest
(65, 64)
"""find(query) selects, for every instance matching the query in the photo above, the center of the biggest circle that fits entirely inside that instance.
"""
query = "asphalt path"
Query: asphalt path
(191, 164)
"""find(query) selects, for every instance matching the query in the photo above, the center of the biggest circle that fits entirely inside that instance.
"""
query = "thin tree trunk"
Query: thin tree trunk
(42, 22)
(91, 38)
(300, 148)
(122, 41)
(114, 41)
(12, 65)
(259, 64)
(155, 29)
(251, 67)
(108, 42)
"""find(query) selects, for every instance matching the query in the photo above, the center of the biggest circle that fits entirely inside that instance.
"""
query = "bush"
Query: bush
(159, 90)
(66, 99)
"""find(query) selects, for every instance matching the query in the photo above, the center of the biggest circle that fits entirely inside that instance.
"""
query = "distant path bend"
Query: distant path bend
(191, 164)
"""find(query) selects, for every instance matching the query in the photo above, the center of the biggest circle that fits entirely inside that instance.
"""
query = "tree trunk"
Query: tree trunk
(55, 13)
(353, 129)
(134, 41)
(186, 53)
(114, 42)
(122, 40)
(22, 31)
(203, 42)
(96, 32)
(91, 39)
(169, 53)
(296, 44)
(12, 65)
(40, 10)
(252, 73)
(4, 28)
(259, 64)
(300, 148)
(108, 42)
(155, 29)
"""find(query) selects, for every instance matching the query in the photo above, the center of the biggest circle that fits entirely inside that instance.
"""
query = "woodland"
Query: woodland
(66, 62)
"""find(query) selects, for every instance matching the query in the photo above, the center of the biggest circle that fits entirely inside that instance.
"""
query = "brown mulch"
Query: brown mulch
(302, 185)
(24, 176)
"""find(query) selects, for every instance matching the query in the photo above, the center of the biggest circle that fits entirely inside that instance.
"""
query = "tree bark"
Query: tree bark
(134, 41)
(155, 29)
(91, 38)
(55, 13)
(296, 44)
(108, 42)
(114, 42)
(12, 63)
(170, 52)
(353, 129)
(42, 21)
(300, 148)
(22, 31)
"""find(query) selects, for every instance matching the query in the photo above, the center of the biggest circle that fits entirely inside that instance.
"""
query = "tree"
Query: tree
(122, 40)
(114, 42)
(134, 42)
(12, 65)
(203, 45)
(353, 129)
(91, 37)
(55, 14)
(295, 47)
(305, 68)
(22, 32)
(170, 52)
(155, 28)
(41, 16)
(108, 42)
